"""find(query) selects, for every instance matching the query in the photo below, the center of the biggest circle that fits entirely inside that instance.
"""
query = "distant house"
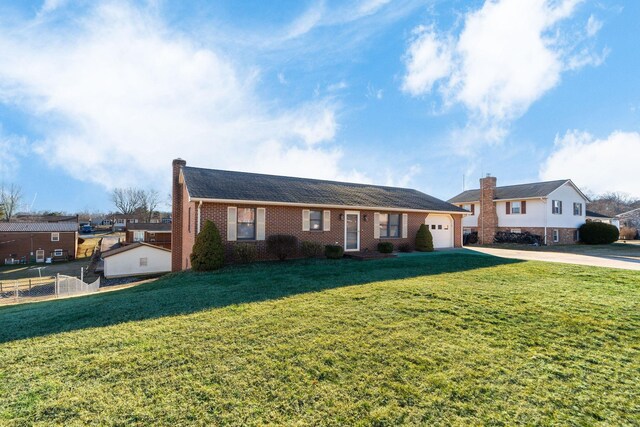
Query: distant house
(158, 234)
(121, 221)
(598, 217)
(553, 209)
(630, 218)
(25, 217)
(26, 242)
(135, 260)
(248, 208)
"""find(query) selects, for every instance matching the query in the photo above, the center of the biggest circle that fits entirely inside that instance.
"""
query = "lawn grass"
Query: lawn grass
(442, 339)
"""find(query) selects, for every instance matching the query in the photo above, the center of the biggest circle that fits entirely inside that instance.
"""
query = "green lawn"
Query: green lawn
(443, 339)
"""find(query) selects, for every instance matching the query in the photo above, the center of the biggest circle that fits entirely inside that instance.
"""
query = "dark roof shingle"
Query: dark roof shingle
(519, 191)
(228, 185)
(38, 227)
(149, 226)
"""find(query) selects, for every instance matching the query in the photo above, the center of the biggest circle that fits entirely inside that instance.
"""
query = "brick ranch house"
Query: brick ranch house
(35, 241)
(248, 207)
(157, 234)
(552, 209)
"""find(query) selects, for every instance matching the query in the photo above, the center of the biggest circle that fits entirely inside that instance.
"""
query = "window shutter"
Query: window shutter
(508, 208)
(260, 223)
(306, 214)
(326, 220)
(473, 208)
(523, 207)
(560, 206)
(232, 223)
(376, 225)
(405, 225)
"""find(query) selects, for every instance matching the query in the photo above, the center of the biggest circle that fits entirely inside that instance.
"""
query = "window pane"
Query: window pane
(315, 220)
(384, 221)
(246, 231)
(246, 215)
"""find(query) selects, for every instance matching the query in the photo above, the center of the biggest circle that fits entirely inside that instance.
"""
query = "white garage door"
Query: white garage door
(441, 227)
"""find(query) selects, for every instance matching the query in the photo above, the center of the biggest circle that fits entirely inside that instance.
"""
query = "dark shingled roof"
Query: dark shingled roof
(228, 185)
(149, 226)
(520, 191)
(38, 227)
(596, 214)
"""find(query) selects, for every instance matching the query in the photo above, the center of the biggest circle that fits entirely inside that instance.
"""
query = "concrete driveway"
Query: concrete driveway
(625, 262)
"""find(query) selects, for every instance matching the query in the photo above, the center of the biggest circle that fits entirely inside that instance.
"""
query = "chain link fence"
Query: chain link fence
(59, 286)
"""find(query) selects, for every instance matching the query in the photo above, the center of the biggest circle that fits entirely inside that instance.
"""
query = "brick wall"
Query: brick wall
(288, 220)
(23, 244)
(177, 205)
(487, 215)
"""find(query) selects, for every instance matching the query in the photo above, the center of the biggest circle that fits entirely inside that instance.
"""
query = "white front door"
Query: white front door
(40, 255)
(352, 231)
(441, 228)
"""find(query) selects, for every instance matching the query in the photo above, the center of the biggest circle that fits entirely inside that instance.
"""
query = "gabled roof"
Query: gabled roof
(595, 214)
(130, 247)
(519, 191)
(632, 212)
(38, 227)
(149, 226)
(252, 187)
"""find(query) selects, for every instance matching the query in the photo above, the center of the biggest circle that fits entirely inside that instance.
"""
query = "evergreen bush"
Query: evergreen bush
(598, 233)
(282, 246)
(208, 250)
(424, 239)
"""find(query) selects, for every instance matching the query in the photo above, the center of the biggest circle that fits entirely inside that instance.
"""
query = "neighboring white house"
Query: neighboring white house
(136, 259)
(598, 217)
(553, 209)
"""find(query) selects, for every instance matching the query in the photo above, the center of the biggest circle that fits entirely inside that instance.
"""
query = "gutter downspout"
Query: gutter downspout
(546, 208)
(199, 216)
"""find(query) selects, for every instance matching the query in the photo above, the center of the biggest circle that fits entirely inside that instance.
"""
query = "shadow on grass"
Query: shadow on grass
(188, 292)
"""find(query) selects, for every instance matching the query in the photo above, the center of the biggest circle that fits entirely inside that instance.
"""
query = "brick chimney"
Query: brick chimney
(177, 201)
(488, 217)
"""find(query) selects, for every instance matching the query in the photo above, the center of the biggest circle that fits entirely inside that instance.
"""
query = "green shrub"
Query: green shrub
(385, 247)
(311, 249)
(208, 251)
(282, 246)
(598, 233)
(245, 253)
(405, 247)
(333, 251)
(424, 239)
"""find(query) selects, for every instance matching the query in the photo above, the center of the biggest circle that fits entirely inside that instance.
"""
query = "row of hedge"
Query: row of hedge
(208, 249)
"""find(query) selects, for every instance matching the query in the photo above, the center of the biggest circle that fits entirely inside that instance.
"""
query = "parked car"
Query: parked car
(86, 229)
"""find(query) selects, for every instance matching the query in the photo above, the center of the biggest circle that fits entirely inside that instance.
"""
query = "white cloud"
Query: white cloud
(507, 55)
(118, 95)
(337, 86)
(600, 165)
(428, 60)
(593, 26)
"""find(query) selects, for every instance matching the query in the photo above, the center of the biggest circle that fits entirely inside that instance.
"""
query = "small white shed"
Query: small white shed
(136, 259)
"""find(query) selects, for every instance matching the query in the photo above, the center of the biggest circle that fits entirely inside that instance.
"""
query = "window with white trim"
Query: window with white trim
(55, 237)
(556, 235)
(556, 207)
(246, 224)
(389, 225)
(576, 235)
(57, 252)
(138, 236)
(516, 207)
(315, 220)
(516, 230)
(577, 209)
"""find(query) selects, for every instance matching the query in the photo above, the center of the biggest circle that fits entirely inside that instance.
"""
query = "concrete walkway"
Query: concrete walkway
(622, 262)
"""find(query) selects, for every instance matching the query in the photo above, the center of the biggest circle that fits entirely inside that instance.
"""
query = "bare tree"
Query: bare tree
(612, 203)
(128, 200)
(150, 201)
(9, 200)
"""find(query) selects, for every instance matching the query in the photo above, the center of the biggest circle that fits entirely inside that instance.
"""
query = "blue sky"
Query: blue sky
(96, 95)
